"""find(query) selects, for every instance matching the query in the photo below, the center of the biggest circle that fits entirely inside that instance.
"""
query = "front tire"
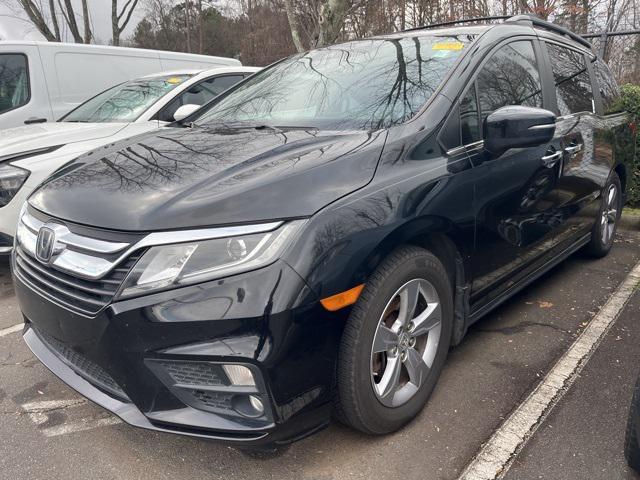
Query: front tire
(604, 229)
(395, 342)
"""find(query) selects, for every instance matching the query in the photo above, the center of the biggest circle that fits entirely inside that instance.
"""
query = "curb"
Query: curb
(629, 222)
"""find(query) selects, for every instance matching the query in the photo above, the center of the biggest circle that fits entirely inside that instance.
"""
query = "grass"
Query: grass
(633, 212)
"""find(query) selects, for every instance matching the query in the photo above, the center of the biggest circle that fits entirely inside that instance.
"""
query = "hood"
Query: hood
(193, 177)
(14, 141)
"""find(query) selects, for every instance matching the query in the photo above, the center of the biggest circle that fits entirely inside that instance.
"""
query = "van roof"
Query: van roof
(109, 48)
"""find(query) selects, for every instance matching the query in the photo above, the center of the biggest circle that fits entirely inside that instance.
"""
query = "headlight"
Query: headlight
(171, 266)
(11, 180)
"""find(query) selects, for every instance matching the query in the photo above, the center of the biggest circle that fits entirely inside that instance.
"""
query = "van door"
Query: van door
(517, 222)
(585, 168)
(24, 98)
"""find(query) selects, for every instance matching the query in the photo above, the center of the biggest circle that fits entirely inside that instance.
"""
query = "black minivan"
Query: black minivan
(314, 241)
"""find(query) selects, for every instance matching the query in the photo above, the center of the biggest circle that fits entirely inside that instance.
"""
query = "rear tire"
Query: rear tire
(604, 230)
(395, 342)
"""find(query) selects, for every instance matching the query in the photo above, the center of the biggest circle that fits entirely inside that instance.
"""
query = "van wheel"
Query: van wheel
(395, 342)
(604, 229)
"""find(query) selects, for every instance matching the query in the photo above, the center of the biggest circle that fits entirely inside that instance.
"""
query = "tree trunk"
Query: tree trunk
(115, 24)
(88, 35)
(294, 25)
(36, 17)
(71, 21)
(332, 16)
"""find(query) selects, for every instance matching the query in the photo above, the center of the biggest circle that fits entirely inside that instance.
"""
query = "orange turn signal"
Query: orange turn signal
(341, 300)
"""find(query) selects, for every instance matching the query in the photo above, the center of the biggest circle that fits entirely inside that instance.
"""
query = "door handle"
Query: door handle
(551, 159)
(573, 149)
(31, 120)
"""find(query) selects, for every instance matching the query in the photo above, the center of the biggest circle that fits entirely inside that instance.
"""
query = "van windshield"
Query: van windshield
(14, 81)
(125, 102)
(362, 85)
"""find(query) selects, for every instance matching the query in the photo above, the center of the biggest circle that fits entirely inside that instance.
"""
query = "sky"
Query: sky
(14, 24)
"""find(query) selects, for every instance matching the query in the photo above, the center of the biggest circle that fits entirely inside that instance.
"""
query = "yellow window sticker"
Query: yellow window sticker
(448, 46)
(174, 80)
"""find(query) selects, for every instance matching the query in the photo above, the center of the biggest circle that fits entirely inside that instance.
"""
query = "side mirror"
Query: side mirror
(517, 127)
(184, 111)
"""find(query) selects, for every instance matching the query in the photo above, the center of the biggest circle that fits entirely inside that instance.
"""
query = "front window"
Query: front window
(125, 102)
(363, 85)
(14, 81)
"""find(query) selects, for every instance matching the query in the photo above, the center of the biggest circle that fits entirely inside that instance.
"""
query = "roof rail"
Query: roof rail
(455, 22)
(538, 22)
(529, 19)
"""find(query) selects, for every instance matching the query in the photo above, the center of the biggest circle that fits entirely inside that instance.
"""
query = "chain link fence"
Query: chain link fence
(621, 51)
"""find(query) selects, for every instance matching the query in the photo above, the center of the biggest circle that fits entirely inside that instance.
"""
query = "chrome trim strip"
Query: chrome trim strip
(69, 238)
(546, 126)
(92, 267)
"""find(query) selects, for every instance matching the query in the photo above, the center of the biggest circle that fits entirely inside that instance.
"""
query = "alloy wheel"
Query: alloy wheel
(609, 214)
(405, 342)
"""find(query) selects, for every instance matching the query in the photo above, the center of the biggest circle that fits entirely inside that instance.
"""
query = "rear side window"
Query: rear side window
(607, 86)
(198, 94)
(14, 81)
(510, 77)
(573, 85)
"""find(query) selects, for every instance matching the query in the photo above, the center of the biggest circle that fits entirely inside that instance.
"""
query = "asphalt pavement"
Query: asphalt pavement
(47, 431)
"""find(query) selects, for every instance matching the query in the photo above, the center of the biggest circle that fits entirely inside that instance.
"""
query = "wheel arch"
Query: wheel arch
(621, 170)
(433, 234)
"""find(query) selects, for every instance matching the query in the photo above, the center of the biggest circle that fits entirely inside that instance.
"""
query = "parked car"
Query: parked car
(42, 81)
(631, 442)
(316, 238)
(29, 154)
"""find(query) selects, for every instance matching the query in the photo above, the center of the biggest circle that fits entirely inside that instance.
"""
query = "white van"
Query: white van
(42, 81)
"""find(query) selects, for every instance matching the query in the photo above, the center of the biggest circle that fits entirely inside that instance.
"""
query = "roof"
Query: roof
(84, 46)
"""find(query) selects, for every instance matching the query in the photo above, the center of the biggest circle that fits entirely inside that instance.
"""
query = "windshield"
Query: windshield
(125, 102)
(362, 85)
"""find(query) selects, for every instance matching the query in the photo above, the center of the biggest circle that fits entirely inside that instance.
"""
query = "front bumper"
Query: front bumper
(267, 320)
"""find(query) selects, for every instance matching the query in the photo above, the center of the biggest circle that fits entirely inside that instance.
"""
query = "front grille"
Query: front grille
(83, 296)
(193, 373)
(83, 366)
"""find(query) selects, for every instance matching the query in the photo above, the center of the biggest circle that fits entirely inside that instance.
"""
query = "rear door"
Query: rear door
(584, 169)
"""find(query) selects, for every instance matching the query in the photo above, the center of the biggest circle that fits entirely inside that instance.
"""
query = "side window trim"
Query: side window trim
(598, 105)
(28, 74)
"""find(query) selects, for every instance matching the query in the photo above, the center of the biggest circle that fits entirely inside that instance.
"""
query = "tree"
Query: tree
(120, 20)
(46, 19)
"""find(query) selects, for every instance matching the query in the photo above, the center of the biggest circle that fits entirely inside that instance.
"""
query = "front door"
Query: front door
(517, 193)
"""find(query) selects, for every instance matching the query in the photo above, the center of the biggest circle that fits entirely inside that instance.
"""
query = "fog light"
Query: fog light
(239, 375)
(256, 403)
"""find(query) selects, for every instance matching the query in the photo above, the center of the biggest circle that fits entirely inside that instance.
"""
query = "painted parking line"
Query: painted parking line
(16, 328)
(496, 456)
(38, 412)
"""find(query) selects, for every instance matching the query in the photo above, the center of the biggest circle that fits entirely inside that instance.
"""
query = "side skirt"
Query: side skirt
(477, 315)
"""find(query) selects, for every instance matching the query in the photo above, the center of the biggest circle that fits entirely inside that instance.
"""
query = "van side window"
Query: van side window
(469, 123)
(573, 85)
(198, 94)
(510, 77)
(14, 81)
(608, 87)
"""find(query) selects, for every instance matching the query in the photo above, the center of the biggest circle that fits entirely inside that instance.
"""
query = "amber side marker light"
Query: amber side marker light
(341, 300)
